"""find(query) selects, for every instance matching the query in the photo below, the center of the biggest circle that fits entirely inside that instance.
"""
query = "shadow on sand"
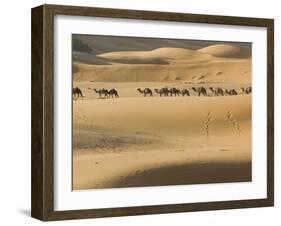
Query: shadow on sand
(195, 173)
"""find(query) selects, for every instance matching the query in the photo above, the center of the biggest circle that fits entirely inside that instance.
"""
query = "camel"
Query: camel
(102, 92)
(174, 91)
(231, 92)
(200, 90)
(247, 90)
(159, 91)
(162, 91)
(250, 89)
(77, 92)
(212, 90)
(145, 92)
(218, 91)
(113, 93)
(99, 92)
(166, 91)
(185, 92)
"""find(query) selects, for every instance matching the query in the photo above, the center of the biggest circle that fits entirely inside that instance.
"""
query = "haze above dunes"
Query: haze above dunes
(98, 44)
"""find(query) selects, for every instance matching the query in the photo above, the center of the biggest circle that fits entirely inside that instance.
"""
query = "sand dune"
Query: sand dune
(220, 70)
(209, 137)
(145, 141)
(156, 168)
(216, 63)
(87, 58)
(165, 54)
(223, 50)
(152, 114)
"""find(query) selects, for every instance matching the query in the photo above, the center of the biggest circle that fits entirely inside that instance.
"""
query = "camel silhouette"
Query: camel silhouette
(247, 90)
(231, 92)
(113, 93)
(166, 91)
(218, 91)
(185, 92)
(200, 90)
(162, 91)
(145, 92)
(102, 92)
(77, 92)
(174, 91)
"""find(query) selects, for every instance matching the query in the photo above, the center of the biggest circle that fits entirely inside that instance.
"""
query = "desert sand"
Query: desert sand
(168, 65)
(145, 141)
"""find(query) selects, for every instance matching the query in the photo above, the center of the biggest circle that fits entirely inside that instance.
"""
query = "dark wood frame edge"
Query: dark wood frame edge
(37, 113)
(42, 197)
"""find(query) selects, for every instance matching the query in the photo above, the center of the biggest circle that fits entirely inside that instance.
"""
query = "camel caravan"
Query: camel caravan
(165, 92)
(199, 91)
(104, 93)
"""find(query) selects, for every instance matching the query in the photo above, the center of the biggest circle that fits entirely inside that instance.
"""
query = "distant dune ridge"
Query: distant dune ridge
(103, 44)
(165, 53)
(226, 51)
(217, 63)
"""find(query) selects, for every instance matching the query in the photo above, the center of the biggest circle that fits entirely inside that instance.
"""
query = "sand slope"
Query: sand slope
(149, 141)
(223, 71)
(224, 50)
(166, 54)
(185, 115)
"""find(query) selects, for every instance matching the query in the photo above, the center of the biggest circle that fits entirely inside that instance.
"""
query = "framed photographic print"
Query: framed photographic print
(141, 112)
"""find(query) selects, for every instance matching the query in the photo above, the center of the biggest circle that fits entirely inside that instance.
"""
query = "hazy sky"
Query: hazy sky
(101, 44)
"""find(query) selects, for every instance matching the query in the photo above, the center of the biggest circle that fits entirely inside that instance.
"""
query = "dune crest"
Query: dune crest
(178, 53)
(223, 50)
(160, 55)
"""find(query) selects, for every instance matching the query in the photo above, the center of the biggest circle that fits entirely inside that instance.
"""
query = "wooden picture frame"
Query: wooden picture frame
(42, 203)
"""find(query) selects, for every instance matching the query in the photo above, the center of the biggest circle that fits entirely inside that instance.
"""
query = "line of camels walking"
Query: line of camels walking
(201, 91)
